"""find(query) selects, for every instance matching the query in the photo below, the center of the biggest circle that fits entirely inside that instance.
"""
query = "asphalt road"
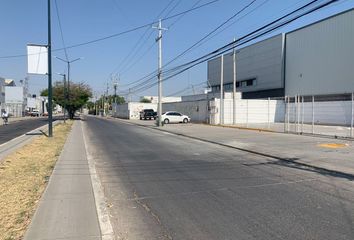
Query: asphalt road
(161, 186)
(18, 128)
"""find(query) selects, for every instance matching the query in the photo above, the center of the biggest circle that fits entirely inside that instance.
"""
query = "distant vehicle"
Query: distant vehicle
(35, 113)
(148, 114)
(174, 117)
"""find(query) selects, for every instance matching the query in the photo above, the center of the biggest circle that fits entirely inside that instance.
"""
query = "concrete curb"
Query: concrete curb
(101, 206)
(327, 171)
(20, 141)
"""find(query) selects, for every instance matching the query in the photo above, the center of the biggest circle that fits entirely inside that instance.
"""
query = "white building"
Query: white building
(155, 99)
(14, 101)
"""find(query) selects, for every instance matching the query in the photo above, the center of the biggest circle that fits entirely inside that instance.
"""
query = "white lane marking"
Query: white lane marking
(101, 206)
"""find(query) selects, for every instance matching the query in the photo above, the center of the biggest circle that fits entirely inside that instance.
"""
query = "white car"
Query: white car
(174, 117)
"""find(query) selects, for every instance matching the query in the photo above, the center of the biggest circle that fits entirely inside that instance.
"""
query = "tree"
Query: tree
(90, 105)
(145, 100)
(77, 96)
(109, 100)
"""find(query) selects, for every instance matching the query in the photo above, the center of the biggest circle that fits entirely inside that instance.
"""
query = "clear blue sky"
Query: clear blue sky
(24, 22)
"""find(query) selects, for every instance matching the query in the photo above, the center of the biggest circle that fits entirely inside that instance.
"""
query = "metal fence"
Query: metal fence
(318, 115)
(15, 109)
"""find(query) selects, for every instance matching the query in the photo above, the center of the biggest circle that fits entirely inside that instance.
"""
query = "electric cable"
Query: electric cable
(119, 33)
(61, 30)
(247, 38)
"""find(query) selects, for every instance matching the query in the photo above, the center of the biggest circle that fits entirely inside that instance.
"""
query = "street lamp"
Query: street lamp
(65, 96)
(68, 62)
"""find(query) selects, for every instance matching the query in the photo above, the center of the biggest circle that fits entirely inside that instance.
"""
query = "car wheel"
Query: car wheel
(185, 120)
(166, 121)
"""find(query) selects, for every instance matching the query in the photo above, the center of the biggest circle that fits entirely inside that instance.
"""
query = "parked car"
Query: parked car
(35, 113)
(148, 114)
(174, 117)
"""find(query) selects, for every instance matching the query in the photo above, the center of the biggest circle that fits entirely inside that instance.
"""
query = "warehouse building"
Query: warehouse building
(320, 57)
(314, 60)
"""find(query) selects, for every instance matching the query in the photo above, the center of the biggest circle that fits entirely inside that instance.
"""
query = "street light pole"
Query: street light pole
(64, 91)
(50, 92)
(68, 63)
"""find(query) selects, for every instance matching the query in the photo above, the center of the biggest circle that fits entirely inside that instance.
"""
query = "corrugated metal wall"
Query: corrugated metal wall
(320, 57)
(261, 61)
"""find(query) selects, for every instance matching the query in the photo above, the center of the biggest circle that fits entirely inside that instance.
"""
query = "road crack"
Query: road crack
(166, 234)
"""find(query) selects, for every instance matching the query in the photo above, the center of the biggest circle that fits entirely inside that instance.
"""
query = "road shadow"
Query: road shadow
(292, 163)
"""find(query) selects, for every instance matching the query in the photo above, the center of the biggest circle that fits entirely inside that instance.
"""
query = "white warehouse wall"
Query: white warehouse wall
(319, 57)
(248, 111)
(331, 113)
(131, 110)
(196, 110)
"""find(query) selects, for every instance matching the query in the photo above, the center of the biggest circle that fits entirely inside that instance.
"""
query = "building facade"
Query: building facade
(314, 60)
(259, 69)
(320, 57)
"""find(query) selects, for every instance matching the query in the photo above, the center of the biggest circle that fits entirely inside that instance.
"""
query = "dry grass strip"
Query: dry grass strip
(23, 178)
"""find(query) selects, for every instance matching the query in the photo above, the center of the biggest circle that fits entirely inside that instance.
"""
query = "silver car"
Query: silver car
(174, 117)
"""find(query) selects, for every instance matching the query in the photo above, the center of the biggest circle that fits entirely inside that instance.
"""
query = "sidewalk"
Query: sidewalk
(329, 155)
(67, 208)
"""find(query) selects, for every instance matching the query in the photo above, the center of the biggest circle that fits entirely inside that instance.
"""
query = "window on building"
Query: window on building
(246, 83)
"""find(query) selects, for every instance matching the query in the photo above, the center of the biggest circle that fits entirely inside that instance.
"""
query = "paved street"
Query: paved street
(162, 186)
(15, 129)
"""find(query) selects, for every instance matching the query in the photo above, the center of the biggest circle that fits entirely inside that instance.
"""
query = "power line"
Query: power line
(186, 88)
(200, 40)
(230, 24)
(128, 67)
(135, 48)
(243, 40)
(61, 30)
(180, 17)
(173, 8)
(237, 13)
(120, 33)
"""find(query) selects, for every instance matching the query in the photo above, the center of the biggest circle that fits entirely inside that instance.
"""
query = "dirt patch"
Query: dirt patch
(23, 178)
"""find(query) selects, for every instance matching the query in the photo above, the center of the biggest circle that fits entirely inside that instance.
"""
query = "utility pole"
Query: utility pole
(106, 112)
(64, 93)
(68, 66)
(115, 93)
(222, 91)
(159, 71)
(234, 82)
(115, 84)
(50, 92)
(103, 99)
(129, 96)
(115, 100)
